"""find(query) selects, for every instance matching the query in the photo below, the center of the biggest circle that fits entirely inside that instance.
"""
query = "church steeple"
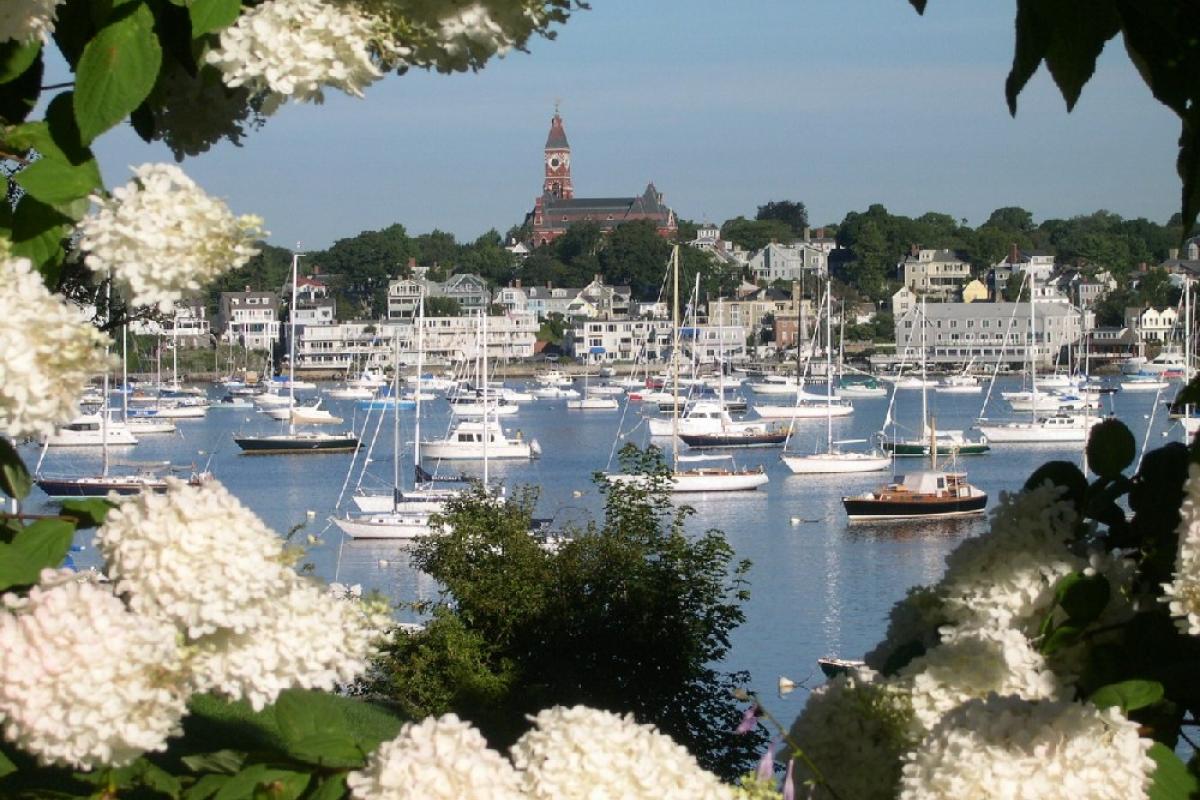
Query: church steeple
(557, 182)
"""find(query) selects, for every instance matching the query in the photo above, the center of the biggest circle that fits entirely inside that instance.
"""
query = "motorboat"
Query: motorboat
(467, 441)
(91, 430)
(926, 494)
(592, 402)
(1052, 428)
(1144, 383)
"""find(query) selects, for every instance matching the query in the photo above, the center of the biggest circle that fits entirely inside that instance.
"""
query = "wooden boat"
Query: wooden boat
(919, 495)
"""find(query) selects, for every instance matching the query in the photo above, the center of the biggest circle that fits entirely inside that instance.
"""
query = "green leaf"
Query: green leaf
(1030, 48)
(14, 477)
(1128, 695)
(302, 713)
(1083, 597)
(89, 513)
(44, 543)
(38, 231)
(63, 132)
(117, 70)
(158, 779)
(332, 788)
(1171, 779)
(7, 767)
(326, 750)
(1188, 167)
(261, 780)
(1068, 35)
(206, 787)
(1063, 636)
(223, 761)
(56, 182)
(919, 5)
(213, 15)
(16, 57)
(1061, 473)
(21, 93)
(1110, 448)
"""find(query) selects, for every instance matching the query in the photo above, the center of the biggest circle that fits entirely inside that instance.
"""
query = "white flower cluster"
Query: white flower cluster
(439, 759)
(85, 681)
(1183, 592)
(1006, 577)
(161, 235)
(854, 729)
(195, 557)
(297, 48)
(27, 20)
(473, 29)
(198, 559)
(48, 352)
(1007, 747)
(973, 664)
(584, 754)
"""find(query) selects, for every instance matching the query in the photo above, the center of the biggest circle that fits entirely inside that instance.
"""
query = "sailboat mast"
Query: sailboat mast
(924, 359)
(395, 416)
(292, 347)
(828, 366)
(420, 368)
(1032, 345)
(125, 372)
(487, 431)
(675, 361)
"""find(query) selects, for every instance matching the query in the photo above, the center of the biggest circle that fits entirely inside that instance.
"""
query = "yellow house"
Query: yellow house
(974, 292)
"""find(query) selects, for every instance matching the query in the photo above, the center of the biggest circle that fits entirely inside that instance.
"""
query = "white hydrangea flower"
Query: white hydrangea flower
(914, 620)
(1183, 592)
(161, 235)
(473, 28)
(973, 664)
(27, 20)
(854, 728)
(582, 753)
(440, 759)
(195, 557)
(309, 640)
(83, 681)
(297, 48)
(1006, 577)
(48, 352)
(1008, 747)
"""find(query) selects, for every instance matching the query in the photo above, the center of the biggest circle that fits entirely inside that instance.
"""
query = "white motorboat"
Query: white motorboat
(608, 390)
(774, 385)
(1168, 361)
(1144, 383)
(91, 430)
(351, 393)
(143, 426)
(959, 384)
(273, 400)
(467, 441)
(702, 479)
(808, 409)
(555, 393)
(1054, 428)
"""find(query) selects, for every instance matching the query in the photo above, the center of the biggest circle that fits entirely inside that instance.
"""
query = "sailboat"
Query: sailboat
(699, 478)
(1058, 427)
(294, 441)
(950, 442)
(927, 494)
(832, 460)
(592, 401)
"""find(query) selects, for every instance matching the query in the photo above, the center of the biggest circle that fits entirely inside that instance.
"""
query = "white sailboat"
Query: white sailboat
(832, 461)
(1052, 428)
(697, 478)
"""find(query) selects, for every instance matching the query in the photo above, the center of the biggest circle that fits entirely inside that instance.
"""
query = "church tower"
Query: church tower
(558, 162)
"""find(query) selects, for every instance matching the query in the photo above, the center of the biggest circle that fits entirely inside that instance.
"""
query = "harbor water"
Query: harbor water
(819, 585)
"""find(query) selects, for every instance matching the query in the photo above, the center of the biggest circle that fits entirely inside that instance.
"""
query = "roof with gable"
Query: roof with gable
(557, 139)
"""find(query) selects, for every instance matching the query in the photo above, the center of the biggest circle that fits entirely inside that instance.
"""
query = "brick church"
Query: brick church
(558, 208)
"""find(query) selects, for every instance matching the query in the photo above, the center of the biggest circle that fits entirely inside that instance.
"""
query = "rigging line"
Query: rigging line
(1003, 346)
(1149, 427)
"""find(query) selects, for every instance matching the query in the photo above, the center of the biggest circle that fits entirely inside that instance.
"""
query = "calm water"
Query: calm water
(818, 585)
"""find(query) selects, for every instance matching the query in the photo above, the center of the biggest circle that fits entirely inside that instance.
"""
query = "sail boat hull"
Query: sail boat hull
(863, 510)
(299, 443)
(701, 480)
(812, 410)
(736, 438)
(836, 463)
(387, 525)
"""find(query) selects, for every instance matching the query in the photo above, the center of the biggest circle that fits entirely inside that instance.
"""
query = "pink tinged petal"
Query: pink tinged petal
(766, 765)
(789, 782)
(749, 720)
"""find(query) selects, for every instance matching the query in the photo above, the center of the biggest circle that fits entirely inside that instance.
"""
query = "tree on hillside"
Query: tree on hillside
(487, 258)
(752, 234)
(581, 239)
(366, 263)
(873, 261)
(794, 214)
(442, 307)
(635, 256)
(266, 271)
(1011, 218)
(437, 248)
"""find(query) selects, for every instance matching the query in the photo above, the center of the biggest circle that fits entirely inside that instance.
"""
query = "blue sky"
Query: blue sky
(724, 106)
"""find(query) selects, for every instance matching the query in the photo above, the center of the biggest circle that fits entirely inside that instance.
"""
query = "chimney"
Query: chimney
(597, 278)
(1173, 253)
(517, 283)
(316, 270)
(247, 288)
(1012, 253)
(807, 232)
(1143, 266)
(914, 250)
(820, 233)
(412, 262)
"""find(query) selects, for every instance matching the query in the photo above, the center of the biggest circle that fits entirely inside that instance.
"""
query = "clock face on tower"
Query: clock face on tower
(557, 160)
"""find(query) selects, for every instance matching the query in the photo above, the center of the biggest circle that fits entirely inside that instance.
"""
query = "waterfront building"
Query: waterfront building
(557, 209)
(447, 340)
(936, 274)
(904, 300)
(752, 311)
(544, 301)
(986, 333)
(470, 291)
(1018, 261)
(602, 341)
(249, 318)
(188, 325)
